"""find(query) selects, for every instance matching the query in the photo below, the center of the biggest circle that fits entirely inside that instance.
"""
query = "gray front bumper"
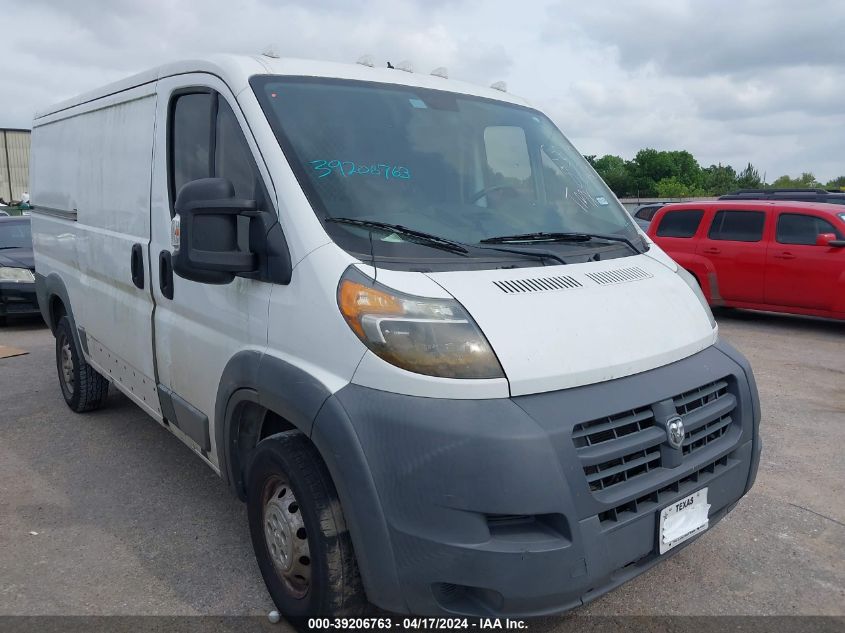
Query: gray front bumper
(483, 507)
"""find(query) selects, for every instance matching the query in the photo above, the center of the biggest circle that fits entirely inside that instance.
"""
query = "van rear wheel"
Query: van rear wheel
(82, 387)
(298, 532)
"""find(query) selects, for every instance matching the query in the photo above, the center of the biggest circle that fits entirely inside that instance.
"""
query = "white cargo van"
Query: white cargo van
(402, 318)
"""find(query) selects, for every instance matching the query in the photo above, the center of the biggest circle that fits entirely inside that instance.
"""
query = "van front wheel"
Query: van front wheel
(82, 387)
(298, 532)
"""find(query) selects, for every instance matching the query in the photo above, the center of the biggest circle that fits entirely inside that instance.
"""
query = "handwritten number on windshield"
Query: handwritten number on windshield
(348, 168)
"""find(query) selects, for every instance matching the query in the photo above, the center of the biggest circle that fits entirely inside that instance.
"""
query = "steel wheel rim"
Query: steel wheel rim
(286, 537)
(66, 366)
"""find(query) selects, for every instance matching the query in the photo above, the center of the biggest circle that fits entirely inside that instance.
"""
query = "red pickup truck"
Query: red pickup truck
(763, 255)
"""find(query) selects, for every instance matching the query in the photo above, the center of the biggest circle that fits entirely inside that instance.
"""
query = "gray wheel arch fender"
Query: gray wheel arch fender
(288, 391)
(47, 287)
(272, 383)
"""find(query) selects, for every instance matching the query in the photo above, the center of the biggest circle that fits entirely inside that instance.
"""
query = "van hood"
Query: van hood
(565, 326)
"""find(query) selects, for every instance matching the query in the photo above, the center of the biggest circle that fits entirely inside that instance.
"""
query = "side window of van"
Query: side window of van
(190, 138)
(738, 226)
(682, 223)
(207, 142)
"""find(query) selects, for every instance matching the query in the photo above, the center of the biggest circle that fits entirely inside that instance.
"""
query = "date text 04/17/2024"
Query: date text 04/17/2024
(417, 624)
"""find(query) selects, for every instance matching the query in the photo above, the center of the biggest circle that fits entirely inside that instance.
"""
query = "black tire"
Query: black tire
(334, 588)
(82, 387)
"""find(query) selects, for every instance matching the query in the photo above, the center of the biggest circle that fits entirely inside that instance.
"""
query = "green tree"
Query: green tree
(614, 171)
(718, 179)
(672, 187)
(749, 178)
(836, 183)
(651, 166)
(686, 168)
(805, 180)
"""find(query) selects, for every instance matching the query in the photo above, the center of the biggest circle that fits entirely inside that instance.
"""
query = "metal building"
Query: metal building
(14, 163)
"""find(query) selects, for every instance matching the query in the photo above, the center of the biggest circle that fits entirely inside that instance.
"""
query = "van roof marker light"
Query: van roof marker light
(366, 60)
(271, 51)
(499, 85)
(405, 66)
(441, 71)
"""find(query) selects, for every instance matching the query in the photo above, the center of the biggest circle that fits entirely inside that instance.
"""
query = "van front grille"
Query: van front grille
(660, 497)
(617, 449)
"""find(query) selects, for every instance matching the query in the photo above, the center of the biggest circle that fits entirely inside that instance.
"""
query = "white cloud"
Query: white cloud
(730, 82)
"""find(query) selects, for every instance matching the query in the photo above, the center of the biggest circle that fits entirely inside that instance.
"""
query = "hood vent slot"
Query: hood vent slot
(619, 276)
(537, 284)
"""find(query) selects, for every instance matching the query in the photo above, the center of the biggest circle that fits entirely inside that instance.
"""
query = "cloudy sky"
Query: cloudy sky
(755, 80)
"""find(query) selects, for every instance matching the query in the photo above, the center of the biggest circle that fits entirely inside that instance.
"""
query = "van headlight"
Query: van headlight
(7, 273)
(435, 337)
(693, 284)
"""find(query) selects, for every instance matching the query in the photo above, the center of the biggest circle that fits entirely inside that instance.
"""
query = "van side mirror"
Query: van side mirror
(829, 239)
(207, 229)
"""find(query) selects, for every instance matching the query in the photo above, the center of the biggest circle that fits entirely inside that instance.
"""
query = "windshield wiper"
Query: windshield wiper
(428, 239)
(535, 253)
(542, 236)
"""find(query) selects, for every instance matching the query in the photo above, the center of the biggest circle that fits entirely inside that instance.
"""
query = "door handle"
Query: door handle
(137, 266)
(711, 250)
(165, 274)
(784, 255)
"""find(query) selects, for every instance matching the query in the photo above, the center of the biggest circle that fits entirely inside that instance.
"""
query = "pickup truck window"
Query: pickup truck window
(682, 223)
(738, 226)
(797, 228)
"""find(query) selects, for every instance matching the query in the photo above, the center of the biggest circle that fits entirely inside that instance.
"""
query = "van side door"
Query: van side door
(199, 327)
(735, 247)
(91, 180)
(799, 273)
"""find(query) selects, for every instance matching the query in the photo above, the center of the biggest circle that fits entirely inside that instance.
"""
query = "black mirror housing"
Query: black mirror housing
(208, 232)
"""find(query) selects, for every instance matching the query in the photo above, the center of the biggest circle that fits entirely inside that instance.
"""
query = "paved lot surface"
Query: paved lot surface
(129, 522)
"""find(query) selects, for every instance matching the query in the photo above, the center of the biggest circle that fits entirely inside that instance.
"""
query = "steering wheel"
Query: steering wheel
(478, 195)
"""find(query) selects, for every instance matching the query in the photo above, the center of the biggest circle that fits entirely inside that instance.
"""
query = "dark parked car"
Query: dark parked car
(796, 195)
(644, 213)
(17, 277)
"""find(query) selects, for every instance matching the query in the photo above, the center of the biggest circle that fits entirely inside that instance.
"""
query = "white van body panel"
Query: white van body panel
(615, 324)
(94, 161)
(307, 329)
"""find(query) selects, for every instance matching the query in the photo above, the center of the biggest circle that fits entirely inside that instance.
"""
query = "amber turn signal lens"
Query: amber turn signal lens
(357, 300)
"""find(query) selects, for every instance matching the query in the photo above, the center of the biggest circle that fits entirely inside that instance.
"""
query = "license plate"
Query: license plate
(682, 520)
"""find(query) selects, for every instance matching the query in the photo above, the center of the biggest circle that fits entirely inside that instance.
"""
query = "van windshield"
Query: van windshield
(456, 166)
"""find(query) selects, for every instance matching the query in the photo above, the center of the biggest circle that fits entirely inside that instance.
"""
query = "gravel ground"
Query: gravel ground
(108, 514)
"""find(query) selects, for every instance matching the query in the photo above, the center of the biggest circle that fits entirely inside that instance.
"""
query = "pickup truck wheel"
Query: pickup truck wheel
(298, 532)
(82, 387)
